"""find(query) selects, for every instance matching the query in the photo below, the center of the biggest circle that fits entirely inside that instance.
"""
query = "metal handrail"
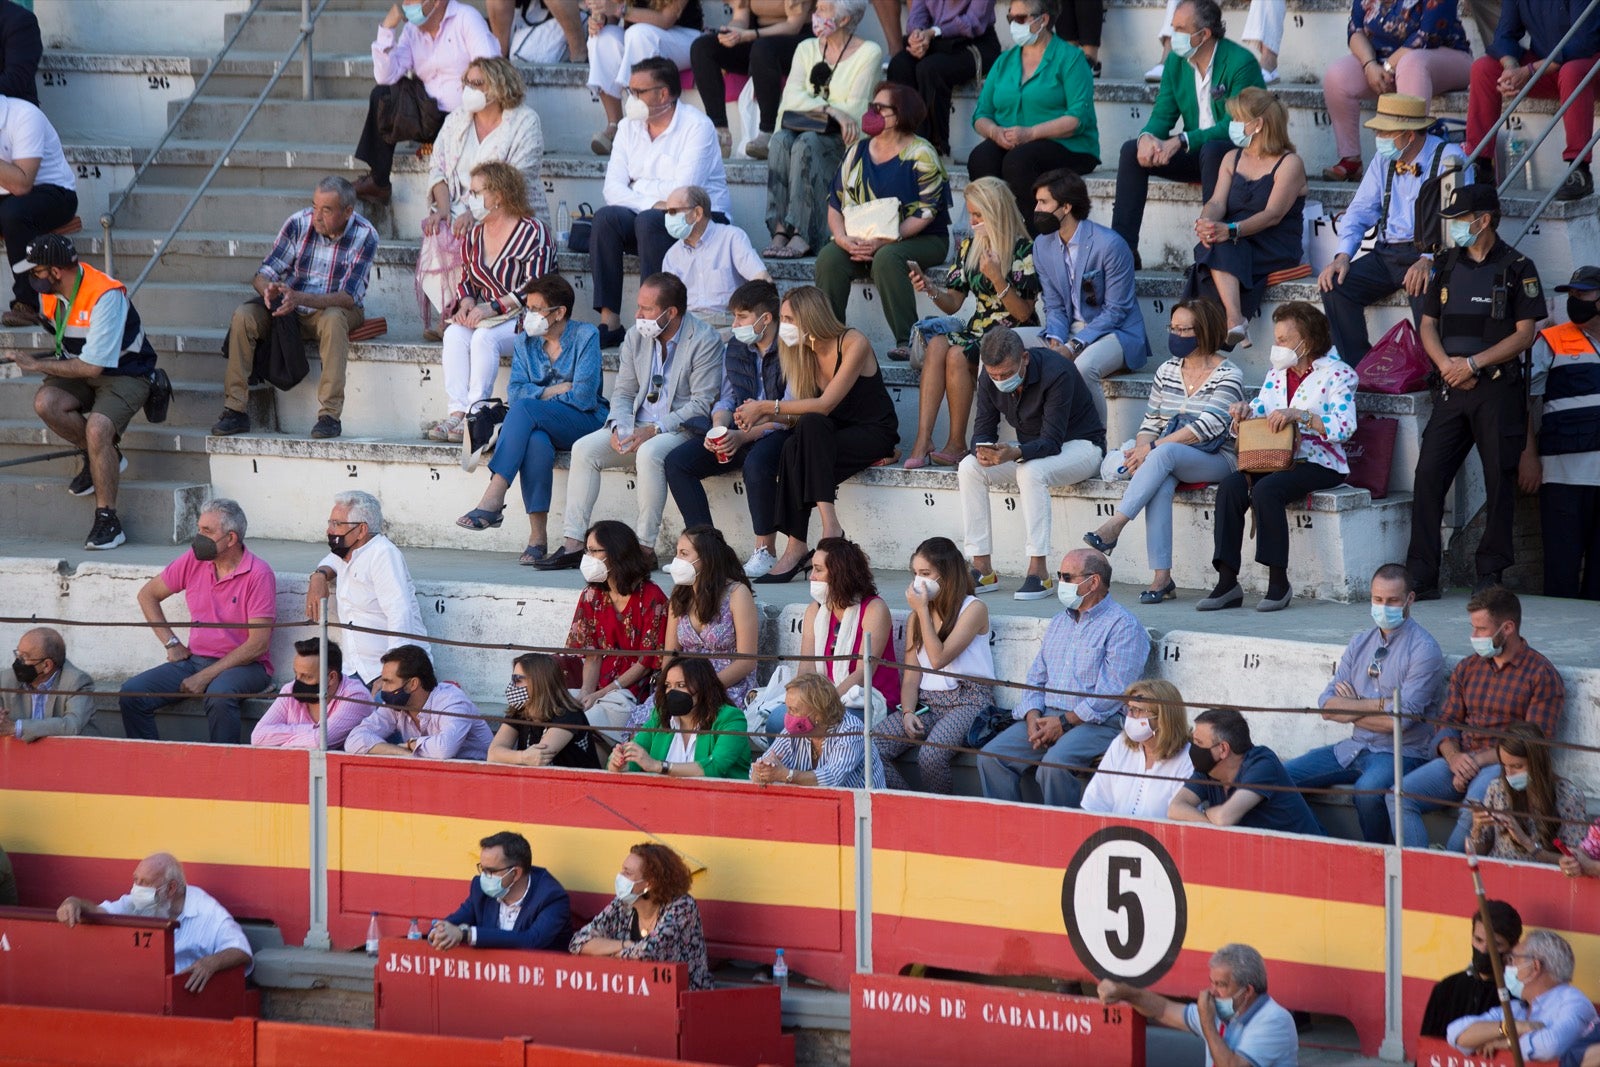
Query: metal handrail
(1533, 219)
(110, 216)
(1539, 72)
(1513, 165)
(308, 21)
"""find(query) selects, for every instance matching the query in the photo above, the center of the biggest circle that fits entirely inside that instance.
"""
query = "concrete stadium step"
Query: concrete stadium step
(313, 122)
(249, 211)
(337, 30)
(1336, 543)
(195, 402)
(113, 97)
(154, 511)
(167, 453)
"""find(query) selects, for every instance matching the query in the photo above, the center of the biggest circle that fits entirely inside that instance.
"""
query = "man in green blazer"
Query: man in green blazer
(1203, 63)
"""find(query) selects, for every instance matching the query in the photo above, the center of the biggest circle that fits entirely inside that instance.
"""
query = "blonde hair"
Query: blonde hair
(820, 698)
(1171, 717)
(505, 181)
(814, 315)
(1253, 103)
(1002, 223)
(503, 84)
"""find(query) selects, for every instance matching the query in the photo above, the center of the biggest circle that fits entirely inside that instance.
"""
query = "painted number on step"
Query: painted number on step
(1533, 231)
(1124, 906)
(1321, 119)
(549, 186)
(433, 474)
(141, 939)
(1170, 653)
(255, 468)
(1252, 660)
(438, 607)
(738, 489)
(1299, 22)
(1514, 122)
(1105, 509)
(427, 374)
(53, 78)
(629, 484)
(158, 81)
(927, 499)
(521, 604)
(1160, 306)
(1011, 503)
(350, 470)
(88, 170)
(1302, 522)
(869, 294)
(1136, 112)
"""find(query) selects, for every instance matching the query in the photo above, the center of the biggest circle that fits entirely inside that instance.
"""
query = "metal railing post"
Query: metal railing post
(1527, 227)
(317, 936)
(307, 91)
(1393, 1045)
(863, 820)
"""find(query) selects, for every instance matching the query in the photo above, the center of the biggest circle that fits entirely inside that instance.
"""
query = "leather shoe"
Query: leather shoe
(367, 188)
(1233, 598)
(565, 560)
(1279, 604)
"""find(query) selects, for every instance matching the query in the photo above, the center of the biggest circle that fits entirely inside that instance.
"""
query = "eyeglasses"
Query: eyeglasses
(1182, 331)
(496, 870)
(17, 652)
(882, 109)
(639, 94)
(1022, 20)
(656, 381)
(336, 522)
(1379, 654)
(1070, 579)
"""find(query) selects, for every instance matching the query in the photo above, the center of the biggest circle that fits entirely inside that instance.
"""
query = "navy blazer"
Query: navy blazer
(1106, 301)
(545, 921)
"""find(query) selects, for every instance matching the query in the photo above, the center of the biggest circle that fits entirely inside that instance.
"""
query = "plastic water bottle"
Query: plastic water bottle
(1514, 149)
(780, 971)
(373, 935)
(415, 933)
(563, 224)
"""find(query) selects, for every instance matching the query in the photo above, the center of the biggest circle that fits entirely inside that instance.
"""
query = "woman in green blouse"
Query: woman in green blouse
(1036, 111)
(694, 731)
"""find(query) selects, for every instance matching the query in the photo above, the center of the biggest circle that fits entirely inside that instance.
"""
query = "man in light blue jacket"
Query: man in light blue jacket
(1091, 312)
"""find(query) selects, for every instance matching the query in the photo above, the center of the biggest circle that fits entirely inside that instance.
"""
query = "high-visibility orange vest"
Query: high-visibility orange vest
(138, 357)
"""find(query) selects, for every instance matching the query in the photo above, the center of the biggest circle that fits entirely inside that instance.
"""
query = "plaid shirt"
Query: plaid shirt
(1098, 650)
(1484, 695)
(307, 262)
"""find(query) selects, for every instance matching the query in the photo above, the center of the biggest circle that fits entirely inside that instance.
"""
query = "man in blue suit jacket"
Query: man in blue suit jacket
(1091, 313)
(512, 903)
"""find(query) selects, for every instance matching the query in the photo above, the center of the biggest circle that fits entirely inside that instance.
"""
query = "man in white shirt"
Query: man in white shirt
(432, 719)
(369, 581)
(38, 193)
(432, 41)
(713, 258)
(207, 939)
(659, 147)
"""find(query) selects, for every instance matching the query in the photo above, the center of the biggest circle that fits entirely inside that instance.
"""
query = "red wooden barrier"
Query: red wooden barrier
(107, 963)
(895, 1021)
(581, 1002)
(1437, 1052)
(69, 1038)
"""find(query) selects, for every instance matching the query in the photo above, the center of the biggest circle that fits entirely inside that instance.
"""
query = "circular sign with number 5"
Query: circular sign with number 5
(1124, 906)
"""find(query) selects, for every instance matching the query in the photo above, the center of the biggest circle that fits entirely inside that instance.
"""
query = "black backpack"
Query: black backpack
(1427, 227)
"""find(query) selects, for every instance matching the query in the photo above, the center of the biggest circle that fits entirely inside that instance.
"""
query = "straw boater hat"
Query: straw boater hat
(1397, 111)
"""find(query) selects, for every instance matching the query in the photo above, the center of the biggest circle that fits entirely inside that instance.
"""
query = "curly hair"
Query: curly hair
(850, 578)
(663, 870)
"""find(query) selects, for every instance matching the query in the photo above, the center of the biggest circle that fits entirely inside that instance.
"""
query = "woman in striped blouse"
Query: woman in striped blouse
(502, 253)
(1184, 437)
(821, 742)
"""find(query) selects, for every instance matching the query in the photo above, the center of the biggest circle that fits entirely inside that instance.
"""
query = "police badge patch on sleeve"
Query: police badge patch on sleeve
(1530, 286)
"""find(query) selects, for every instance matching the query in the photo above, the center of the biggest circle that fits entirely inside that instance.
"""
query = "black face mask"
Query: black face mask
(678, 703)
(27, 673)
(205, 549)
(1046, 222)
(338, 546)
(41, 285)
(1581, 311)
(1202, 758)
(305, 692)
(1481, 966)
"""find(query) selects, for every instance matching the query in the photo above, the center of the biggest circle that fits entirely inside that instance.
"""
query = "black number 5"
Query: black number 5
(1119, 899)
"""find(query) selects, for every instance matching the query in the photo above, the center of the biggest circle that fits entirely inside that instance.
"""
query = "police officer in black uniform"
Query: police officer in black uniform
(1477, 321)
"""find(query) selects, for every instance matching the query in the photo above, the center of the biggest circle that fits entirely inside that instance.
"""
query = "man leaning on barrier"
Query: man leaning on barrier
(430, 719)
(235, 593)
(1231, 768)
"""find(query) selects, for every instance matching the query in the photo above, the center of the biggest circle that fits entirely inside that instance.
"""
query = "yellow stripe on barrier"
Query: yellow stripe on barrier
(109, 826)
(959, 889)
(742, 870)
(1434, 945)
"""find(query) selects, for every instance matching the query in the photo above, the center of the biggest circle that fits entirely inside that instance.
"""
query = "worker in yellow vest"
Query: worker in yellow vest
(99, 375)
(1563, 459)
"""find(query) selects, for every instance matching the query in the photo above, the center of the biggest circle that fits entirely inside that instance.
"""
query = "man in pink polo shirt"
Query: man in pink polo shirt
(221, 582)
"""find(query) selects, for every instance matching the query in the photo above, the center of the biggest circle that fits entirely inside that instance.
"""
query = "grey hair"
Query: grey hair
(1208, 16)
(1000, 347)
(364, 507)
(1246, 966)
(340, 187)
(698, 198)
(1098, 564)
(1552, 952)
(51, 643)
(849, 12)
(230, 516)
(171, 869)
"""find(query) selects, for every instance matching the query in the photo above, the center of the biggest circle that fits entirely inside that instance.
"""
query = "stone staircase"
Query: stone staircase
(394, 384)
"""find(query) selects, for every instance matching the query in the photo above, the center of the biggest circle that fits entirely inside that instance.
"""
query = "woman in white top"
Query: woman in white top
(948, 631)
(1145, 768)
(490, 124)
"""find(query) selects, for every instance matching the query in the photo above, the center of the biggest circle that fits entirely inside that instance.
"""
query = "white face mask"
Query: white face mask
(789, 333)
(625, 891)
(1070, 595)
(636, 109)
(1283, 358)
(593, 570)
(473, 99)
(1024, 34)
(819, 592)
(1138, 730)
(535, 324)
(927, 587)
(649, 329)
(475, 204)
(144, 897)
(682, 571)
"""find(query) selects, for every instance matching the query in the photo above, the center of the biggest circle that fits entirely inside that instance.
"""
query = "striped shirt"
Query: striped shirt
(842, 756)
(308, 262)
(528, 253)
(1208, 407)
(1485, 695)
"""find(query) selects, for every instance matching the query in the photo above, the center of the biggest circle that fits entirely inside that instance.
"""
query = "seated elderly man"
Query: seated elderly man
(432, 719)
(317, 270)
(1231, 767)
(224, 583)
(43, 695)
(1233, 1014)
(1553, 1016)
(511, 904)
(713, 258)
(295, 719)
(207, 940)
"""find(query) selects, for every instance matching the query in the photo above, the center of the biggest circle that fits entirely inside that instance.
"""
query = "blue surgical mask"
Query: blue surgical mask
(493, 885)
(1182, 45)
(1070, 595)
(747, 335)
(1224, 1006)
(1237, 134)
(413, 14)
(1181, 346)
(1513, 983)
(1518, 781)
(1388, 148)
(1387, 616)
(678, 225)
(1008, 385)
(1461, 234)
(1485, 646)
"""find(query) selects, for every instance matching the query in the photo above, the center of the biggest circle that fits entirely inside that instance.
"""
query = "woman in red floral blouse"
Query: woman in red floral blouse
(621, 609)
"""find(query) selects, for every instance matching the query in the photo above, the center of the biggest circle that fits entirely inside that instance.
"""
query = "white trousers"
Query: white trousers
(1076, 461)
(593, 453)
(472, 359)
(614, 51)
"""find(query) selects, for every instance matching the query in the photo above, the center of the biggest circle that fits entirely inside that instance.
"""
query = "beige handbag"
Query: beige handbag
(875, 219)
(1261, 451)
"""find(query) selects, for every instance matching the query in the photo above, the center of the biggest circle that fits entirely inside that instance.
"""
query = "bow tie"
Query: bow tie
(1413, 169)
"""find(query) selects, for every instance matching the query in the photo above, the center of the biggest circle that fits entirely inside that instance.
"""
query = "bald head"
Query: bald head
(43, 649)
(163, 873)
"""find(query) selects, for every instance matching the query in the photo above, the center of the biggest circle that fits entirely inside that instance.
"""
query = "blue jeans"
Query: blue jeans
(1079, 747)
(533, 431)
(1155, 483)
(224, 708)
(1435, 779)
(1318, 769)
(691, 463)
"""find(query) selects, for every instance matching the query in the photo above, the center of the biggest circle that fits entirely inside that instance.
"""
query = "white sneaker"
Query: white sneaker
(1154, 73)
(1270, 76)
(759, 565)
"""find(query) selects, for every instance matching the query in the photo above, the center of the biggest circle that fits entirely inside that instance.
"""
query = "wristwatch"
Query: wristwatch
(666, 768)
(174, 641)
